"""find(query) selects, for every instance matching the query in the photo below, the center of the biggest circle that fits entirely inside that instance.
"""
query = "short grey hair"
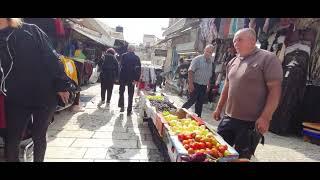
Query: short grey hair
(131, 48)
(251, 32)
(209, 46)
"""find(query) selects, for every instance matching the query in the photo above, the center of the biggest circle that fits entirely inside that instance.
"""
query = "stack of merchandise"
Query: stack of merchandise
(311, 132)
(148, 78)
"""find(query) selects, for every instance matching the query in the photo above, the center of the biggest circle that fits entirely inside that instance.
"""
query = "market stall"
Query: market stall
(148, 78)
(182, 136)
(295, 41)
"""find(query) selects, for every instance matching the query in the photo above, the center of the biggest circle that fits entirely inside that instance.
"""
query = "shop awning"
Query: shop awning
(160, 52)
(95, 36)
(168, 38)
(185, 47)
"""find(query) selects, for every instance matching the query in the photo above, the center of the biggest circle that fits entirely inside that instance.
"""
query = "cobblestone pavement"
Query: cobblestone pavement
(100, 134)
(276, 148)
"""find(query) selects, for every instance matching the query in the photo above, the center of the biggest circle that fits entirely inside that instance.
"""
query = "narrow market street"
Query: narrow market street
(174, 83)
(100, 134)
(106, 135)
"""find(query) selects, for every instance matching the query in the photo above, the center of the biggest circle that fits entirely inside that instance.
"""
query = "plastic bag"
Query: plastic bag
(94, 76)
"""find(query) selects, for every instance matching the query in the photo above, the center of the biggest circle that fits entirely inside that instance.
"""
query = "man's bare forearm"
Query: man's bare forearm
(273, 99)
(224, 96)
(190, 77)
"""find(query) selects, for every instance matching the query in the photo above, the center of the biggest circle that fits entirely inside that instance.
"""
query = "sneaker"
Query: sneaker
(100, 103)
(122, 109)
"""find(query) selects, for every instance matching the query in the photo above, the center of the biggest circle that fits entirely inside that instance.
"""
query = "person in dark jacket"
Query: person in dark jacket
(108, 75)
(130, 71)
(32, 79)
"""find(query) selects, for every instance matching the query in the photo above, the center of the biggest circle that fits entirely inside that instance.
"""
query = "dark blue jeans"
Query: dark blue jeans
(197, 96)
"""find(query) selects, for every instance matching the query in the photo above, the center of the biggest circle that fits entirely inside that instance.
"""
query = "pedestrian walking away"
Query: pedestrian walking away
(109, 75)
(130, 71)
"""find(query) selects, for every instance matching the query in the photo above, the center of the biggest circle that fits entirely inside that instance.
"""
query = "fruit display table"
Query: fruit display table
(181, 134)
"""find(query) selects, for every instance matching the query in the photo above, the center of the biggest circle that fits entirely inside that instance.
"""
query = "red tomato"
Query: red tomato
(222, 148)
(190, 151)
(202, 145)
(209, 145)
(215, 152)
(188, 137)
(186, 146)
(181, 137)
(193, 146)
(185, 142)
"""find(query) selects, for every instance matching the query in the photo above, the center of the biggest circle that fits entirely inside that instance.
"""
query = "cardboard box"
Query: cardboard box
(160, 122)
(175, 147)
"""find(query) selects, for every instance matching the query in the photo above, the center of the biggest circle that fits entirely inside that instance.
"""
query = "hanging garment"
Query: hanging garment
(208, 30)
(70, 68)
(315, 60)
(59, 27)
(153, 76)
(246, 22)
(302, 23)
(282, 53)
(217, 22)
(145, 74)
(271, 39)
(285, 119)
(298, 46)
(204, 29)
(252, 23)
(311, 104)
(2, 113)
(240, 23)
(199, 44)
(221, 28)
(226, 28)
(80, 71)
(266, 25)
(212, 31)
(79, 54)
(88, 69)
(233, 27)
(259, 25)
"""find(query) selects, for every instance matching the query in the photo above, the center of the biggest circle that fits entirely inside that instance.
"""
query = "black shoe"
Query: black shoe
(129, 113)
(122, 109)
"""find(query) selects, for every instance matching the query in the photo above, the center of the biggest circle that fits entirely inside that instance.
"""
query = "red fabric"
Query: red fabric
(59, 27)
(141, 85)
(88, 68)
(226, 28)
(2, 113)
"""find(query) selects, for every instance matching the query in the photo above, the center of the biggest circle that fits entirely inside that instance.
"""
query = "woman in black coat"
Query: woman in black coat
(31, 80)
(109, 75)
